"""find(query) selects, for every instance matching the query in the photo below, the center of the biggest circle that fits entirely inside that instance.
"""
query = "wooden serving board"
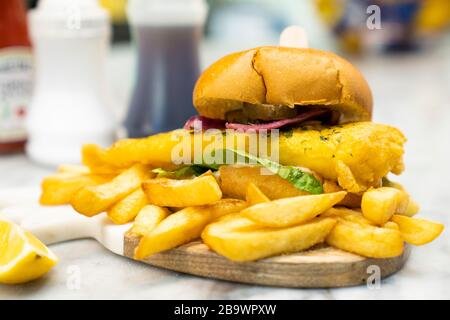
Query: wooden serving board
(320, 267)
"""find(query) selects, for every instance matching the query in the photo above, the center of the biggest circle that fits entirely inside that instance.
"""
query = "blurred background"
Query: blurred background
(103, 71)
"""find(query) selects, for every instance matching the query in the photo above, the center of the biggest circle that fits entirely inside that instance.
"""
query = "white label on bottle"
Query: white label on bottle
(16, 84)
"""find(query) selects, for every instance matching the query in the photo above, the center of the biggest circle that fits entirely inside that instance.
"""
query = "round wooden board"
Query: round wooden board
(319, 267)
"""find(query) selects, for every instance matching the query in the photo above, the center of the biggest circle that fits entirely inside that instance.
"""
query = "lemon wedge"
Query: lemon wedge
(23, 257)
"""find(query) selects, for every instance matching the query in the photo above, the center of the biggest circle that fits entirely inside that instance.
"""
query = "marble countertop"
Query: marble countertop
(411, 92)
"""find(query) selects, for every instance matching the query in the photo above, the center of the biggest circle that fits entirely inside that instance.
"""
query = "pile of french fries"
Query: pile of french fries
(171, 212)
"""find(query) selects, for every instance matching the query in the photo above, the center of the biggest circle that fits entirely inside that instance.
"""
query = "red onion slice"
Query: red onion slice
(205, 123)
(276, 124)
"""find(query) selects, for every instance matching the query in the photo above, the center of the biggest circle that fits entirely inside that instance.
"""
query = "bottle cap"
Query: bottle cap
(294, 36)
(78, 18)
(167, 12)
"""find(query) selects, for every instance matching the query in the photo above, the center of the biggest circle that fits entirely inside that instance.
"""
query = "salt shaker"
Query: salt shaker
(167, 34)
(69, 106)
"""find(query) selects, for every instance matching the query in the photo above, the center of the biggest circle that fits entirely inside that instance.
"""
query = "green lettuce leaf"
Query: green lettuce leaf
(187, 171)
(298, 178)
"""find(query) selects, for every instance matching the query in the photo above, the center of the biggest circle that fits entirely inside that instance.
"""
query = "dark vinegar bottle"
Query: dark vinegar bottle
(167, 34)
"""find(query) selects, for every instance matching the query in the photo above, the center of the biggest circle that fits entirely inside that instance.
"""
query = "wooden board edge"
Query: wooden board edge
(269, 272)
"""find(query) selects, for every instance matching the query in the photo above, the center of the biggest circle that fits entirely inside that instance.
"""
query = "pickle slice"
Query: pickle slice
(268, 112)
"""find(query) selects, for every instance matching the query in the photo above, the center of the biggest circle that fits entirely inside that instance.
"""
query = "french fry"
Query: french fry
(73, 168)
(417, 231)
(93, 157)
(235, 179)
(366, 240)
(391, 225)
(351, 200)
(403, 201)
(240, 239)
(59, 188)
(255, 195)
(378, 205)
(184, 226)
(127, 209)
(238, 222)
(392, 184)
(412, 207)
(147, 219)
(290, 211)
(348, 215)
(199, 191)
(93, 200)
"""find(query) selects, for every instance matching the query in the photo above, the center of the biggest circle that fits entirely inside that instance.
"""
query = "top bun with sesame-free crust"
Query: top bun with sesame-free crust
(282, 76)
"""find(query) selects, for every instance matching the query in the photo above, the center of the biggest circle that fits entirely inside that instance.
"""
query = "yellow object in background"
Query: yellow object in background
(23, 257)
(116, 8)
(434, 15)
(331, 11)
(403, 24)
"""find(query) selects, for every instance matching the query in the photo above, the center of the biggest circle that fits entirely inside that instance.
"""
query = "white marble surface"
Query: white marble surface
(411, 92)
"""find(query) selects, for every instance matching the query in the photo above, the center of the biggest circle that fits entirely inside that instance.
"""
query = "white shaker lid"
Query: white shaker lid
(294, 36)
(69, 18)
(167, 12)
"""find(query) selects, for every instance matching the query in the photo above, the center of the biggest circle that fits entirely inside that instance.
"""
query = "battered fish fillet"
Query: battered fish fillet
(356, 155)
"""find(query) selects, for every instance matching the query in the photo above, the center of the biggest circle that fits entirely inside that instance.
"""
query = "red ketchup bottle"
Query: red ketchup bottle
(16, 77)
